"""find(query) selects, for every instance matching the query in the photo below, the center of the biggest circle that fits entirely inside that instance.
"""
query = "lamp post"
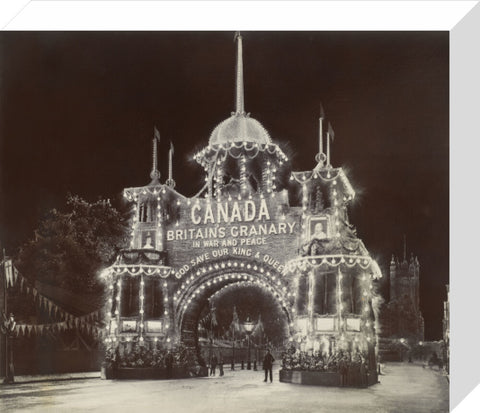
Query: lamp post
(8, 329)
(233, 348)
(249, 326)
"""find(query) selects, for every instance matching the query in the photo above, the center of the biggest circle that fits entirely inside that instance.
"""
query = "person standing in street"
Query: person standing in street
(169, 365)
(267, 365)
(220, 364)
(213, 365)
(343, 369)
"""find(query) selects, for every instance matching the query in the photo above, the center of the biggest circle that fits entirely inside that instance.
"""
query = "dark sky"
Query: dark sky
(77, 112)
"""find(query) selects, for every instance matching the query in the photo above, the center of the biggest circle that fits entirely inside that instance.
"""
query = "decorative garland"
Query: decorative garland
(315, 261)
(305, 177)
(271, 281)
(151, 270)
(251, 149)
(132, 194)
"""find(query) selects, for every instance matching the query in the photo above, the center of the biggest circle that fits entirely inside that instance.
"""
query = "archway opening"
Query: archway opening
(213, 313)
(221, 326)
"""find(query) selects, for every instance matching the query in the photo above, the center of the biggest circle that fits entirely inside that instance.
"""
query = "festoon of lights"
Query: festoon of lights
(118, 270)
(244, 149)
(366, 334)
(185, 295)
(364, 263)
(156, 189)
(326, 173)
(340, 193)
(115, 287)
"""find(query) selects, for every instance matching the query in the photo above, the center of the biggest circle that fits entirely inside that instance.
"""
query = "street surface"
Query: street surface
(403, 388)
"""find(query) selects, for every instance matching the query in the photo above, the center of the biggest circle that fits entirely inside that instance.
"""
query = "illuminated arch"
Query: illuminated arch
(204, 281)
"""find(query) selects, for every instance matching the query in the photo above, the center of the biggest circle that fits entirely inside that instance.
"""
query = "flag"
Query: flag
(322, 112)
(330, 131)
(235, 325)
(156, 133)
(15, 274)
(258, 331)
(8, 272)
(213, 316)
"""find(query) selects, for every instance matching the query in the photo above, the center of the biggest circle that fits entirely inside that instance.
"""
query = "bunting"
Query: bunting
(28, 330)
(13, 277)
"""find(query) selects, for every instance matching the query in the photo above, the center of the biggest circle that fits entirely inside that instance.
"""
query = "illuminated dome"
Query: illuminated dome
(239, 128)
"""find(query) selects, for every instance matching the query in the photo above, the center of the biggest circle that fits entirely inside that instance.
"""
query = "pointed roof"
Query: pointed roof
(239, 127)
(240, 99)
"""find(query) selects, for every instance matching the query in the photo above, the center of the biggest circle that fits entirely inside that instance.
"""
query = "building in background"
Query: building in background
(446, 330)
(401, 316)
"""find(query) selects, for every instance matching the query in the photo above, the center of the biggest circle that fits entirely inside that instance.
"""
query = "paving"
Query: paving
(403, 387)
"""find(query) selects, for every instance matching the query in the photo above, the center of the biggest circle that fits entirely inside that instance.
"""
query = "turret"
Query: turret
(411, 266)
(240, 158)
(393, 269)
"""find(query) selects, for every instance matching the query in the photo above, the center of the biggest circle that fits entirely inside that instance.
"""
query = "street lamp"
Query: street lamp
(8, 329)
(249, 326)
(233, 348)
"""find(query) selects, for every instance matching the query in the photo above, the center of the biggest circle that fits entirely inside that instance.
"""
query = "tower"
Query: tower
(393, 270)
(405, 318)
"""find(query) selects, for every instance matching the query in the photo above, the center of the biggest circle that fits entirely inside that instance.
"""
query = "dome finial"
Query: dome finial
(240, 106)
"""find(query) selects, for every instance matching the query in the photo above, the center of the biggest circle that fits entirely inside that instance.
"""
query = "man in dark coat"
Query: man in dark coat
(213, 365)
(343, 369)
(169, 365)
(267, 365)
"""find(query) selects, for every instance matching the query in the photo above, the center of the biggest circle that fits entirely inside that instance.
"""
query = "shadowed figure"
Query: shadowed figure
(267, 365)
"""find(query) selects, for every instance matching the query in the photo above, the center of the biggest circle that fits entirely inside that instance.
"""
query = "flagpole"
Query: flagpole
(170, 182)
(4, 273)
(155, 173)
(330, 135)
(328, 147)
(233, 348)
(170, 162)
(4, 281)
(320, 136)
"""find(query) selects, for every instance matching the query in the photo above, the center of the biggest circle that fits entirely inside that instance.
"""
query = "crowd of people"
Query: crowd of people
(352, 366)
(140, 356)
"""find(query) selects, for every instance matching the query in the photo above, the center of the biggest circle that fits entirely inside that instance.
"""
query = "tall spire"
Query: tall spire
(330, 136)
(155, 173)
(170, 181)
(320, 132)
(240, 104)
(404, 247)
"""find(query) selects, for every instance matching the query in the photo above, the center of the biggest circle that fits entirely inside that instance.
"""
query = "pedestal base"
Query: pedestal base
(320, 378)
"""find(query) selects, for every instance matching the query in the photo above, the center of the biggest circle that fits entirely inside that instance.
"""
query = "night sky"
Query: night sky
(77, 111)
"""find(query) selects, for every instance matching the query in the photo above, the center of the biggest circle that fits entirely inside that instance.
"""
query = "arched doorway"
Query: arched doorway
(201, 285)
